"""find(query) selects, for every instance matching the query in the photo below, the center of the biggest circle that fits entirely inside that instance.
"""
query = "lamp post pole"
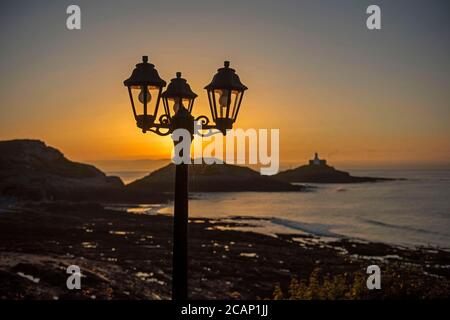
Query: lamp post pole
(181, 120)
(180, 230)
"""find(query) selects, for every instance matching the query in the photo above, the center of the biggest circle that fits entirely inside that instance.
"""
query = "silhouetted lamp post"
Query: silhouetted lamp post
(225, 94)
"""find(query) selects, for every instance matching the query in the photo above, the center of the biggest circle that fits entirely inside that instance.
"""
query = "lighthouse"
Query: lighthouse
(317, 161)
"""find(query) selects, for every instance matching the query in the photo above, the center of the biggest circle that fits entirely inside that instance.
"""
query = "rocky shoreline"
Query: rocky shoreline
(31, 170)
(128, 256)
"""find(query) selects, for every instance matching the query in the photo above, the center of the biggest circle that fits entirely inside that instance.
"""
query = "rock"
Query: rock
(31, 170)
(213, 178)
(322, 173)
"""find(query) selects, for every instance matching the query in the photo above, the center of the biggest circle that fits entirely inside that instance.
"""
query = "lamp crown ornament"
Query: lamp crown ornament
(145, 74)
(179, 88)
(226, 78)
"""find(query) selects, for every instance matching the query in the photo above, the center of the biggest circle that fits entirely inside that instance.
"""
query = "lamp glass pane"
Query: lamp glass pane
(173, 104)
(226, 103)
(235, 101)
(212, 102)
(142, 93)
(145, 115)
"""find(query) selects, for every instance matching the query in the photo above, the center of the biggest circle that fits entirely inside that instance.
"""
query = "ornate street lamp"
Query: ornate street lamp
(225, 94)
(178, 94)
(144, 88)
(178, 102)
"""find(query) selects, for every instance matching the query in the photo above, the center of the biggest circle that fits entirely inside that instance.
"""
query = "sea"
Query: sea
(411, 212)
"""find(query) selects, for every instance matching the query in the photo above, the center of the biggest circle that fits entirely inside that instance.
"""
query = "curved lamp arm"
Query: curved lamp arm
(158, 131)
(204, 121)
(164, 127)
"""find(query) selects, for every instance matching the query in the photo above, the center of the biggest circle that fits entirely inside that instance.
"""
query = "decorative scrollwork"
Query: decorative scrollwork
(204, 122)
(164, 119)
(162, 128)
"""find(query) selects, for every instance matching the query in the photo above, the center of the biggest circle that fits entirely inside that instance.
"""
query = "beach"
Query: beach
(127, 255)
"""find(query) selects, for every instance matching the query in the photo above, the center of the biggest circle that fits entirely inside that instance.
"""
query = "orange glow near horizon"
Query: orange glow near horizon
(382, 100)
(110, 133)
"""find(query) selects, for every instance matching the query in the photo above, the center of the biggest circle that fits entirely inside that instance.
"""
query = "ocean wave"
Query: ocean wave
(400, 227)
(318, 229)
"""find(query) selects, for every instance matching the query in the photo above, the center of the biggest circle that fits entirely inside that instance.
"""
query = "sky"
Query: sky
(313, 69)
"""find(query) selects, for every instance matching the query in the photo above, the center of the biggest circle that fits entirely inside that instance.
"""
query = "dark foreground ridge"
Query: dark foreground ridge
(31, 170)
(128, 256)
